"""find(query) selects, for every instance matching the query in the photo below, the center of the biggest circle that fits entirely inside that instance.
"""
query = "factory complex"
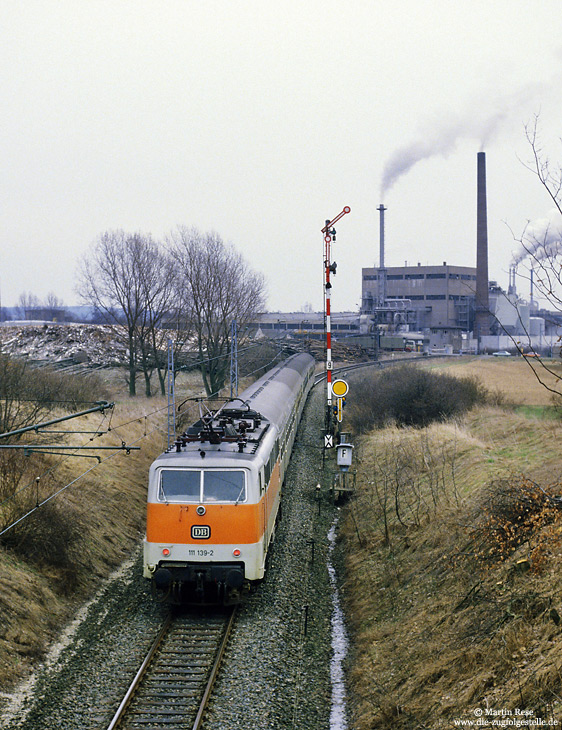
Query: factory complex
(442, 307)
(435, 308)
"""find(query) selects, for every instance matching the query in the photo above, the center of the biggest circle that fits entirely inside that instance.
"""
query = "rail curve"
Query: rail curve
(380, 364)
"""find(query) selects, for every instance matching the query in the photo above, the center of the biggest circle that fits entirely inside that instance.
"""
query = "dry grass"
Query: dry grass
(104, 509)
(440, 629)
(515, 378)
(107, 507)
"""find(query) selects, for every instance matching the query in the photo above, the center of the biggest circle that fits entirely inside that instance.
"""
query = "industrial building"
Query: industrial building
(446, 307)
(453, 306)
(448, 304)
(423, 297)
(304, 325)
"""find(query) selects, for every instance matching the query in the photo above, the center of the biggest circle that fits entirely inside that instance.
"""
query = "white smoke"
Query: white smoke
(481, 120)
(542, 238)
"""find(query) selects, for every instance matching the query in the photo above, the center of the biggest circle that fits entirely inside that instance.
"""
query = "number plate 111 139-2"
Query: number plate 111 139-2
(200, 532)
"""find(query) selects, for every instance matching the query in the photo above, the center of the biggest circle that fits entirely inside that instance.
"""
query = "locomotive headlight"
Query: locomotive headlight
(201, 510)
(166, 552)
(237, 553)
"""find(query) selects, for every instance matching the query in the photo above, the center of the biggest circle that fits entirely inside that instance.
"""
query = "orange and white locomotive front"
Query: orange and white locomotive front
(205, 524)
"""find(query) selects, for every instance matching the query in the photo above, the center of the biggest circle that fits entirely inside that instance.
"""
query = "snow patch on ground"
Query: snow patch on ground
(340, 644)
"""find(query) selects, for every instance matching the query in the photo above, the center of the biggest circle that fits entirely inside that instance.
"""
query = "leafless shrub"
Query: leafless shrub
(556, 401)
(54, 388)
(411, 396)
(513, 512)
(28, 396)
(496, 397)
(411, 478)
(49, 537)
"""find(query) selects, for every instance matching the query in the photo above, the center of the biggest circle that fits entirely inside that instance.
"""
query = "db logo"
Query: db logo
(200, 532)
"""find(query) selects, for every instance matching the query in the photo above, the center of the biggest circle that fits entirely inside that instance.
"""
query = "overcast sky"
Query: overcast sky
(259, 120)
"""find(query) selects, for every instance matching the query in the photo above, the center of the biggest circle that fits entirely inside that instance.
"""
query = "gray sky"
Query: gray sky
(259, 120)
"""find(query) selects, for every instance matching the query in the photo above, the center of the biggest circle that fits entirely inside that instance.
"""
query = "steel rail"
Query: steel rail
(381, 364)
(140, 674)
(150, 663)
(214, 671)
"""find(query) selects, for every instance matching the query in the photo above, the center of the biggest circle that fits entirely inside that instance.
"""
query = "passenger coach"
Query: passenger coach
(214, 497)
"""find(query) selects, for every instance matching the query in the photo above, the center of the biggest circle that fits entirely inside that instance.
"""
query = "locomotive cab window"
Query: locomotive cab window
(202, 485)
(224, 486)
(179, 485)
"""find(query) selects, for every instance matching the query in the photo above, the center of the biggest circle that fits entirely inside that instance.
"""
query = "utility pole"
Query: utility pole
(171, 395)
(233, 360)
(329, 268)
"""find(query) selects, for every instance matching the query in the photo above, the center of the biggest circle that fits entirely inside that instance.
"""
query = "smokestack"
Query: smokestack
(512, 288)
(381, 210)
(382, 270)
(482, 318)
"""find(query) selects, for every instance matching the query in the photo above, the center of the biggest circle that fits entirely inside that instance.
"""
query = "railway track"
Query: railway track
(174, 683)
(380, 364)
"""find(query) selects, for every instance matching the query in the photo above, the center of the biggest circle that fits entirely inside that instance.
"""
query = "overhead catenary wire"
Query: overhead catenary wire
(100, 434)
(279, 352)
(66, 486)
(52, 468)
(224, 356)
(319, 378)
(101, 406)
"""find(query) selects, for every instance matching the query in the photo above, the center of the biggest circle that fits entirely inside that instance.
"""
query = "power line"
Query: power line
(99, 434)
(66, 486)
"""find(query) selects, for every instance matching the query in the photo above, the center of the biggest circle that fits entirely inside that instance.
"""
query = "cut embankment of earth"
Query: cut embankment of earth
(453, 588)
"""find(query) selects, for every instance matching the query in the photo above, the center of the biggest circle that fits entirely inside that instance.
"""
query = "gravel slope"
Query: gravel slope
(277, 670)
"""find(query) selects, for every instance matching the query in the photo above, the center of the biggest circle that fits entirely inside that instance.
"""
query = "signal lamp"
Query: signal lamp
(237, 553)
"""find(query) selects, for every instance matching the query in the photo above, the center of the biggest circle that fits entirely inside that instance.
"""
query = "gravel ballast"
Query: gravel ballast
(276, 672)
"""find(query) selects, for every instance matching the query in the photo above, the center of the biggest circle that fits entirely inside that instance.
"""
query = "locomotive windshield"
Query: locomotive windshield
(202, 485)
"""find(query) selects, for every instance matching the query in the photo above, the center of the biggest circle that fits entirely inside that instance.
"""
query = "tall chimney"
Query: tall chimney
(382, 270)
(512, 287)
(482, 318)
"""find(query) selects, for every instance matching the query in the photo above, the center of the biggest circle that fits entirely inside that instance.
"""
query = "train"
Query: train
(214, 496)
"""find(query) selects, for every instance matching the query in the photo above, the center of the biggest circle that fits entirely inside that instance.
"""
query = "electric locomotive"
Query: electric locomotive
(214, 496)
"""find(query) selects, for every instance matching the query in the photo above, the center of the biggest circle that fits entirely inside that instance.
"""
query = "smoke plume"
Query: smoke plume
(480, 122)
(542, 238)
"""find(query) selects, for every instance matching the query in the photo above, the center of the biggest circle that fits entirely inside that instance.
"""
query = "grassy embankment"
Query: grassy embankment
(55, 559)
(453, 575)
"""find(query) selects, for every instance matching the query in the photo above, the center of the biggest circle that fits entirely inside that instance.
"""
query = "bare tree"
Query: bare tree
(130, 280)
(541, 242)
(27, 300)
(541, 245)
(52, 301)
(549, 175)
(164, 306)
(112, 278)
(218, 287)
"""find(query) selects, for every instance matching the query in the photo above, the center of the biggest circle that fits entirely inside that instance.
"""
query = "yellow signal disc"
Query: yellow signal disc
(339, 388)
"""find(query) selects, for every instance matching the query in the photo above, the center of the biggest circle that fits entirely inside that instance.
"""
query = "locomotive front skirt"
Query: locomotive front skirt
(214, 497)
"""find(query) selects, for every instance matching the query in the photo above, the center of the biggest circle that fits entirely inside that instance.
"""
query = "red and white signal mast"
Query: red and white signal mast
(329, 268)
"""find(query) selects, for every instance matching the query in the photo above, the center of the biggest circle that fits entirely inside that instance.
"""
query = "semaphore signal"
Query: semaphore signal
(329, 268)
